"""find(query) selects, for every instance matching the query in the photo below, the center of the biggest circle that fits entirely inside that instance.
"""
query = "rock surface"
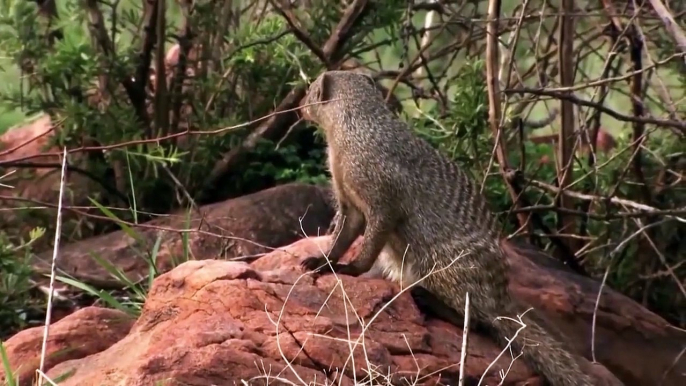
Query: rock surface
(224, 323)
(85, 332)
(638, 346)
(250, 225)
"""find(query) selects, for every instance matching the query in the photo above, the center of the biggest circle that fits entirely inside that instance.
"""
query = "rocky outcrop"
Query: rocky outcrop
(244, 227)
(225, 323)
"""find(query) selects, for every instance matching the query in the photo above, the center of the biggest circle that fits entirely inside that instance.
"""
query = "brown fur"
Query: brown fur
(423, 212)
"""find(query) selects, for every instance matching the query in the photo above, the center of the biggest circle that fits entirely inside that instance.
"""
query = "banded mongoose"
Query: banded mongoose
(423, 212)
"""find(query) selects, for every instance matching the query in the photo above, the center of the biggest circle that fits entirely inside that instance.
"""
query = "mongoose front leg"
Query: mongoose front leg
(347, 227)
(376, 234)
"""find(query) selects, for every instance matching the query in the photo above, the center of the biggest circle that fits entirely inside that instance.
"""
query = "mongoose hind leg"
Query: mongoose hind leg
(434, 307)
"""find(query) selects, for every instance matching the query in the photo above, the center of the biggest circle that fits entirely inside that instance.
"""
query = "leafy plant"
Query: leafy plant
(15, 284)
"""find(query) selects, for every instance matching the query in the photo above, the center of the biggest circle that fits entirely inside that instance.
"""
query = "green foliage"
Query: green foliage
(461, 132)
(648, 271)
(15, 285)
(289, 165)
(10, 379)
(257, 65)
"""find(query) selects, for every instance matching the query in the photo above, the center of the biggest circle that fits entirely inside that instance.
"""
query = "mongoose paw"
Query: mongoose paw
(317, 264)
(320, 266)
(348, 269)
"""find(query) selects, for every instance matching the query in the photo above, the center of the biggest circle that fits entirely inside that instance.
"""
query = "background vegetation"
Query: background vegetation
(142, 125)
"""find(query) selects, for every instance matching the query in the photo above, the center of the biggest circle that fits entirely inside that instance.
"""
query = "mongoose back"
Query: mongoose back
(424, 213)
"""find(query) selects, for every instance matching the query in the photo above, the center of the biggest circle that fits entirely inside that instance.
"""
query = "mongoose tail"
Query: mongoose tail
(494, 308)
(544, 354)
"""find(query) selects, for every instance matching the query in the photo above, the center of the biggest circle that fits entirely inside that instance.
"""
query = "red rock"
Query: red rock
(225, 323)
(85, 332)
(215, 322)
(636, 345)
(36, 185)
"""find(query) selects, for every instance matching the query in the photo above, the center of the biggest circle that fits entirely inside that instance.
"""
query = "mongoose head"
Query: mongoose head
(333, 92)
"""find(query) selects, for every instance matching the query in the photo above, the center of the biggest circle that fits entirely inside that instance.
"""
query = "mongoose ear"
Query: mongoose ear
(369, 79)
(325, 86)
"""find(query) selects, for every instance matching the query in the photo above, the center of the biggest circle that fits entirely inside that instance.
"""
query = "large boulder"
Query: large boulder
(635, 344)
(244, 227)
(225, 323)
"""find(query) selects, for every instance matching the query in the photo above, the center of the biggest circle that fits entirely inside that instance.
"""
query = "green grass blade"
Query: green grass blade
(9, 375)
(102, 295)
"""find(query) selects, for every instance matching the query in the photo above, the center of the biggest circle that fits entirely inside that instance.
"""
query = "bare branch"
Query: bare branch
(582, 102)
(567, 136)
(670, 24)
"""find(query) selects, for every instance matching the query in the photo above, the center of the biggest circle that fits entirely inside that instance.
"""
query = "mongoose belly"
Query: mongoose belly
(396, 264)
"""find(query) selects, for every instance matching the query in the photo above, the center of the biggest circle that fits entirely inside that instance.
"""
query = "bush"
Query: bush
(16, 301)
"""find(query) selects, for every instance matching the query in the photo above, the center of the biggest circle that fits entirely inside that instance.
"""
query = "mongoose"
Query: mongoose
(423, 212)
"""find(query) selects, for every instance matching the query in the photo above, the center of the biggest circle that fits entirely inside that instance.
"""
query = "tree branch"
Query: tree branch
(494, 113)
(565, 158)
(582, 102)
(99, 32)
(280, 122)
